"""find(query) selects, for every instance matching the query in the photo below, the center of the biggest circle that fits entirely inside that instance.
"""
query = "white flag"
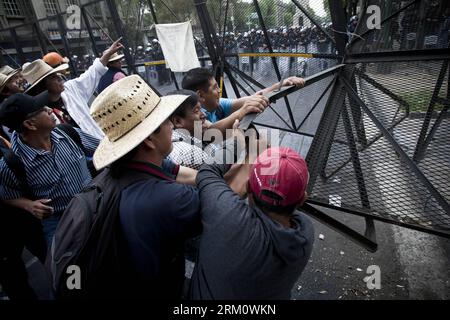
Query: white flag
(177, 44)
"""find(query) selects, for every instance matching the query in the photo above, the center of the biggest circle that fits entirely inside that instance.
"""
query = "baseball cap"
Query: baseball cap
(15, 109)
(279, 177)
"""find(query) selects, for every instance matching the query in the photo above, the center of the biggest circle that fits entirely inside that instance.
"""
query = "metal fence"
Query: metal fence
(372, 121)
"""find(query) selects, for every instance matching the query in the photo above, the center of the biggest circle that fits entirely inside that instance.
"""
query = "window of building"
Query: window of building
(51, 7)
(11, 8)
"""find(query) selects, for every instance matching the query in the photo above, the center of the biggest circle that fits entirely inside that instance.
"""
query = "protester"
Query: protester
(187, 142)
(55, 166)
(156, 214)
(256, 250)
(220, 112)
(114, 72)
(11, 82)
(69, 99)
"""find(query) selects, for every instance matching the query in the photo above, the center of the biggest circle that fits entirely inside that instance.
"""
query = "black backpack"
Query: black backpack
(89, 236)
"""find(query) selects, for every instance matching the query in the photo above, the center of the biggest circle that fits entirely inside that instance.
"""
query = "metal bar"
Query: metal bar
(200, 6)
(245, 76)
(198, 3)
(375, 139)
(315, 104)
(89, 28)
(284, 54)
(119, 29)
(281, 118)
(356, 111)
(325, 204)
(339, 227)
(248, 84)
(355, 39)
(292, 131)
(224, 26)
(310, 17)
(274, 96)
(218, 66)
(63, 31)
(42, 43)
(339, 25)
(355, 159)
(435, 127)
(99, 26)
(233, 81)
(321, 144)
(383, 89)
(152, 11)
(408, 161)
(446, 103)
(18, 47)
(419, 151)
(274, 60)
(398, 56)
(308, 81)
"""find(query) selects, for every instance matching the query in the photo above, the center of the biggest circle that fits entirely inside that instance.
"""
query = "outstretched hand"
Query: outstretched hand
(116, 46)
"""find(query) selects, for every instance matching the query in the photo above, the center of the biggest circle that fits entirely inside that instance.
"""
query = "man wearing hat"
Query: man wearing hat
(70, 99)
(255, 250)
(54, 164)
(11, 82)
(114, 72)
(156, 214)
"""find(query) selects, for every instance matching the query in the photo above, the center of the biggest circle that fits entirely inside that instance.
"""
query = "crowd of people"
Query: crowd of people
(182, 200)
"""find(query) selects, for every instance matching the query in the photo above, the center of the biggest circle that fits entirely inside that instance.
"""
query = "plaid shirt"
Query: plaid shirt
(187, 151)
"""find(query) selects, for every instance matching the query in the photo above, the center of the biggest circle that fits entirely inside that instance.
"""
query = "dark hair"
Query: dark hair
(39, 88)
(117, 167)
(197, 79)
(286, 210)
(187, 104)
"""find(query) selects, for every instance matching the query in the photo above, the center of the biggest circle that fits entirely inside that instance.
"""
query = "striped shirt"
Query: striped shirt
(57, 175)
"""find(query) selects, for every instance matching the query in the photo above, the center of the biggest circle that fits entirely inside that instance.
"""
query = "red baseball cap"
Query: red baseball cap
(280, 171)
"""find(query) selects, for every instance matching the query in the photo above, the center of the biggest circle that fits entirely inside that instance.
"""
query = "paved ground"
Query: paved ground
(413, 265)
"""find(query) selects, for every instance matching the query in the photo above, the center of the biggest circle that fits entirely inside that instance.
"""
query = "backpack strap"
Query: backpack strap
(17, 167)
(73, 134)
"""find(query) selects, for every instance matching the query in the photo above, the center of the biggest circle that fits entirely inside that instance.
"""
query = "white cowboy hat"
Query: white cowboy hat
(5, 77)
(37, 70)
(8, 70)
(116, 57)
(128, 111)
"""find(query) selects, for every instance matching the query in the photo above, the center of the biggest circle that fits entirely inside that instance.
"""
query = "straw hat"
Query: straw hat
(5, 77)
(8, 70)
(38, 70)
(128, 111)
(116, 57)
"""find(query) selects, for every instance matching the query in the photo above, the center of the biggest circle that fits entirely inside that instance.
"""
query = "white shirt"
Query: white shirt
(76, 96)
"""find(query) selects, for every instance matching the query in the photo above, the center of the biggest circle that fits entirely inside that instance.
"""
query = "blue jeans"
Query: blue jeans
(49, 226)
